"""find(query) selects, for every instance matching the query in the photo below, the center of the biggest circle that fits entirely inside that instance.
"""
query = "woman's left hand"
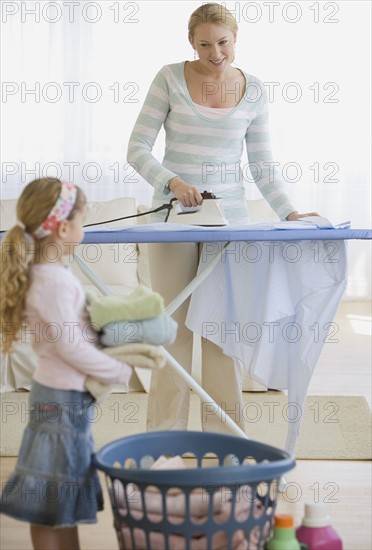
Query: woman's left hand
(293, 216)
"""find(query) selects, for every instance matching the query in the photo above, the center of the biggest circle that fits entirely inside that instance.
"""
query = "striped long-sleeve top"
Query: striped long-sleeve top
(206, 152)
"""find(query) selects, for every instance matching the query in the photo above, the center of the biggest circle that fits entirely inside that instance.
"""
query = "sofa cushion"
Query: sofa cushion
(115, 263)
(8, 216)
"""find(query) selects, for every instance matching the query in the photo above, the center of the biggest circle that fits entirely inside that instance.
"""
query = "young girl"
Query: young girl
(53, 486)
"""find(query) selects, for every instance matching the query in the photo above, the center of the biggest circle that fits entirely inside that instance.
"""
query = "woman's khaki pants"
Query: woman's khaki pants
(173, 266)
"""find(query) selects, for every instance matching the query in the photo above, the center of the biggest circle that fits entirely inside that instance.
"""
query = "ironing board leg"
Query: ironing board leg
(200, 277)
(203, 395)
(106, 291)
(282, 484)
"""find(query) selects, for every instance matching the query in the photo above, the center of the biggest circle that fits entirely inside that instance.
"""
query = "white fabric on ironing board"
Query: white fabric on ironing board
(276, 304)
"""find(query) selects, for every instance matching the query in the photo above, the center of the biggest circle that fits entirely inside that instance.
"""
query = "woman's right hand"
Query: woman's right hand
(188, 195)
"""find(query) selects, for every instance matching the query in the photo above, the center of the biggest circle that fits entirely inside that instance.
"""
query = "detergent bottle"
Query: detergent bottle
(284, 537)
(316, 531)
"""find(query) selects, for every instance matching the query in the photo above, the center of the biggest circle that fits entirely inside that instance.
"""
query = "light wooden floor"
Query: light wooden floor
(344, 368)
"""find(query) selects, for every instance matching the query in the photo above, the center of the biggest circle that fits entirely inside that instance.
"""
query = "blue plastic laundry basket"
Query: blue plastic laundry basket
(208, 505)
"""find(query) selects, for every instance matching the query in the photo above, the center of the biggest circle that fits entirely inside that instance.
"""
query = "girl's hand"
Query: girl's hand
(293, 216)
(188, 195)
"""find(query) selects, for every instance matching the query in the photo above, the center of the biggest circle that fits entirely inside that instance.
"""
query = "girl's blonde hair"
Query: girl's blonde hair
(19, 250)
(212, 13)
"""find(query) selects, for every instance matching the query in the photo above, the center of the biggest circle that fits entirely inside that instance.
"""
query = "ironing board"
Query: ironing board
(255, 232)
(220, 238)
(165, 232)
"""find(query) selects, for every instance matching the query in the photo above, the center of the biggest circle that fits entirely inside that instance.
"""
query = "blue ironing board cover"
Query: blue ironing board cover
(166, 232)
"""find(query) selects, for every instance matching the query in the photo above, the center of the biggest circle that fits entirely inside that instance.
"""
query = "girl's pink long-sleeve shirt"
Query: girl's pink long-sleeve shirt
(62, 334)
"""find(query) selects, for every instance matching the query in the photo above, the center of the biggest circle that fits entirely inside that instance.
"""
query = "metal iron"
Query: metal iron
(209, 213)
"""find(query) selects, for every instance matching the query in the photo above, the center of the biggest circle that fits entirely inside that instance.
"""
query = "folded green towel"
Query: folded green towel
(143, 303)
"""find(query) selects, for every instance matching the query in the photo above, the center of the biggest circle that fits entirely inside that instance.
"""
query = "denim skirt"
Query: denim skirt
(54, 483)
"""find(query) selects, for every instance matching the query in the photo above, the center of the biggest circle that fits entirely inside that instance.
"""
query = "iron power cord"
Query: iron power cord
(167, 206)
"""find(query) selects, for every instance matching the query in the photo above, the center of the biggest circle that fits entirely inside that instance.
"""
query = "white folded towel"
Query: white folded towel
(141, 355)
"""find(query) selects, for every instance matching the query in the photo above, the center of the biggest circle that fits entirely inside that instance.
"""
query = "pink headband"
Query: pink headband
(60, 211)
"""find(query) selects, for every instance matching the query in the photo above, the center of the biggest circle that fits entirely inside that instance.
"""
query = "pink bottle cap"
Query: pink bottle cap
(316, 515)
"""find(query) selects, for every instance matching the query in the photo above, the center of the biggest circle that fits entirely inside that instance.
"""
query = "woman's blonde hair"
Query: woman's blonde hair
(19, 250)
(212, 13)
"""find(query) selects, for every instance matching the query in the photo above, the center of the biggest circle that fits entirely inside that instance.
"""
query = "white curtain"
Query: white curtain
(75, 74)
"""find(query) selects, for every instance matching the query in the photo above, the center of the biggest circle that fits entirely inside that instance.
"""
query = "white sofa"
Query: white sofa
(122, 267)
